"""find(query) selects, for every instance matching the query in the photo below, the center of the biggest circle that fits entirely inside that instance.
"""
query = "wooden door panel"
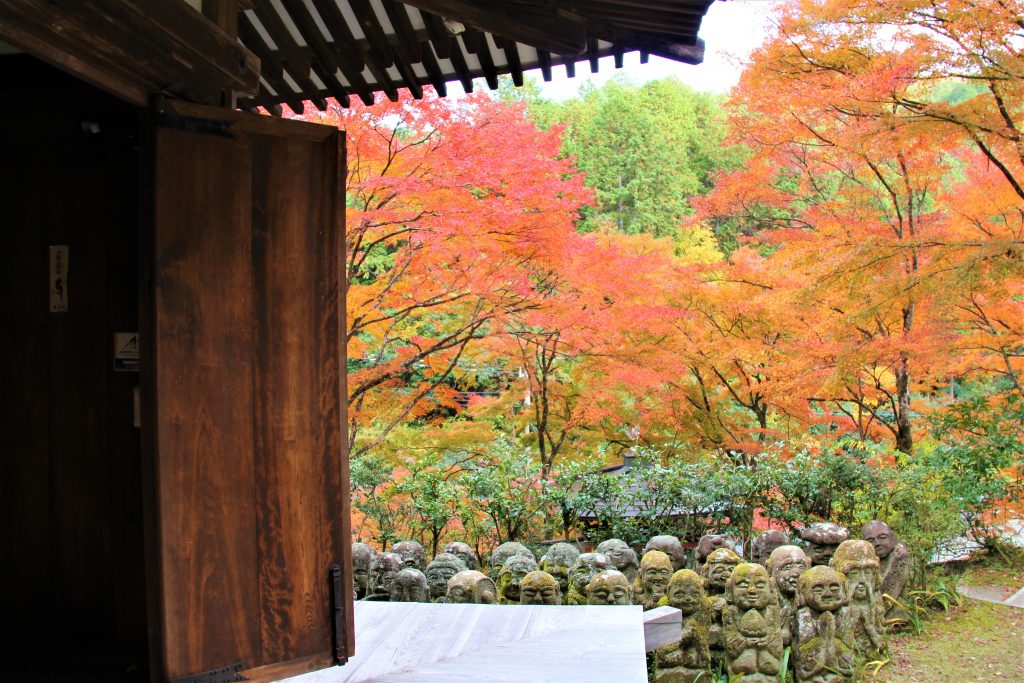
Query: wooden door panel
(251, 475)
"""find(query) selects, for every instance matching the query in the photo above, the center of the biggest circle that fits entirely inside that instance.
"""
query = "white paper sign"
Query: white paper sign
(58, 278)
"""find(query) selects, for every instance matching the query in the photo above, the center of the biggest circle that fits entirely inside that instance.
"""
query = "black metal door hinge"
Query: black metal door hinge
(338, 613)
(225, 674)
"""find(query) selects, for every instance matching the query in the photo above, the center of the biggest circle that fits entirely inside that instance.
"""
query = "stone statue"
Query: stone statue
(752, 626)
(785, 565)
(671, 546)
(439, 571)
(410, 585)
(362, 556)
(502, 553)
(689, 660)
(580, 574)
(463, 552)
(856, 560)
(510, 578)
(609, 587)
(539, 588)
(895, 562)
(622, 557)
(412, 554)
(823, 642)
(715, 572)
(764, 543)
(383, 569)
(652, 580)
(822, 540)
(557, 562)
(471, 586)
(709, 543)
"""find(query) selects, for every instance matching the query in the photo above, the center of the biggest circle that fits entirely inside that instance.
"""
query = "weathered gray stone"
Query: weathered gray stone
(412, 554)
(856, 560)
(764, 543)
(823, 641)
(362, 556)
(609, 587)
(557, 562)
(410, 585)
(671, 546)
(622, 557)
(464, 552)
(539, 588)
(383, 569)
(439, 571)
(822, 539)
(502, 553)
(652, 580)
(580, 574)
(752, 625)
(716, 572)
(785, 565)
(895, 563)
(510, 578)
(689, 660)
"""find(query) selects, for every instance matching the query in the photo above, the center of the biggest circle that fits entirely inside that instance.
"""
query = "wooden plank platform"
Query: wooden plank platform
(412, 642)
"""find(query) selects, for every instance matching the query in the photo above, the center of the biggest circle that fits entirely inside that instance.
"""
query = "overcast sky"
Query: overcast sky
(731, 29)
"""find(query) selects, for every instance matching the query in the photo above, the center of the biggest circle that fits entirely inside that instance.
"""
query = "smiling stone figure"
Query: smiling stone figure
(856, 560)
(580, 574)
(751, 625)
(510, 578)
(362, 556)
(439, 571)
(539, 588)
(785, 565)
(715, 572)
(823, 643)
(621, 555)
(610, 587)
(652, 580)
(557, 562)
(689, 660)
(894, 562)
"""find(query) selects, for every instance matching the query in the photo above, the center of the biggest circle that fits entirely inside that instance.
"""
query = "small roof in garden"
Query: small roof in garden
(316, 49)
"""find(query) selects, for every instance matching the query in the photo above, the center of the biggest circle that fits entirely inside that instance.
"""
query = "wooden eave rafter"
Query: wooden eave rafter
(361, 47)
(133, 48)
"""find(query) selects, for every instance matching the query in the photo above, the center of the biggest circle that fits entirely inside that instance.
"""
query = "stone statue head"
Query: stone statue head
(502, 553)
(686, 594)
(857, 561)
(786, 564)
(822, 540)
(609, 587)
(750, 587)
(462, 587)
(362, 556)
(485, 592)
(510, 578)
(410, 585)
(881, 537)
(411, 553)
(620, 554)
(671, 546)
(717, 569)
(442, 568)
(539, 588)
(823, 589)
(655, 572)
(584, 569)
(709, 543)
(764, 543)
(557, 562)
(463, 552)
(383, 569)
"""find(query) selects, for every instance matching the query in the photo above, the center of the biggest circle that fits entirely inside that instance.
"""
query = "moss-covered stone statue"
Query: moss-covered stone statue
(362, 556)
(383, 569)
(464, 552)
(708, 544)
(622, 557)
(785, 565)
(716, 572)
(412, 554)
(439, 571)
(822, 539)
(689, 660)
(894, 562)
(580, 574)
(823, 643)
(510, 578)
(471, 586)
(752, 625)
(502, 553)
(410, 585)
(557, 562)
(652, 580)
(610, 587)
(539, 588)
(856, 560)
(671, 546)
(764, 543)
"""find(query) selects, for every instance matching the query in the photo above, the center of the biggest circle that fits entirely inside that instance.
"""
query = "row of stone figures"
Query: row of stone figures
(825, 602)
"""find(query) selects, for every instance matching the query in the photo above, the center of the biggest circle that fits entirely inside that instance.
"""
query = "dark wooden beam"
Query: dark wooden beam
(223, 13)
(545, 32)
(133, 48)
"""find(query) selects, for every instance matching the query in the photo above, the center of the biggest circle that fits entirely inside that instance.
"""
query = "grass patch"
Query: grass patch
(979, 641)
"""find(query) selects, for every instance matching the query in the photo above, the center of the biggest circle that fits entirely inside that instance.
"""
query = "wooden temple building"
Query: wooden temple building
(173, 469)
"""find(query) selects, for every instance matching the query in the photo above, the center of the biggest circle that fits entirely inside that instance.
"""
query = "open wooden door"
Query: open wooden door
(243, 396)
